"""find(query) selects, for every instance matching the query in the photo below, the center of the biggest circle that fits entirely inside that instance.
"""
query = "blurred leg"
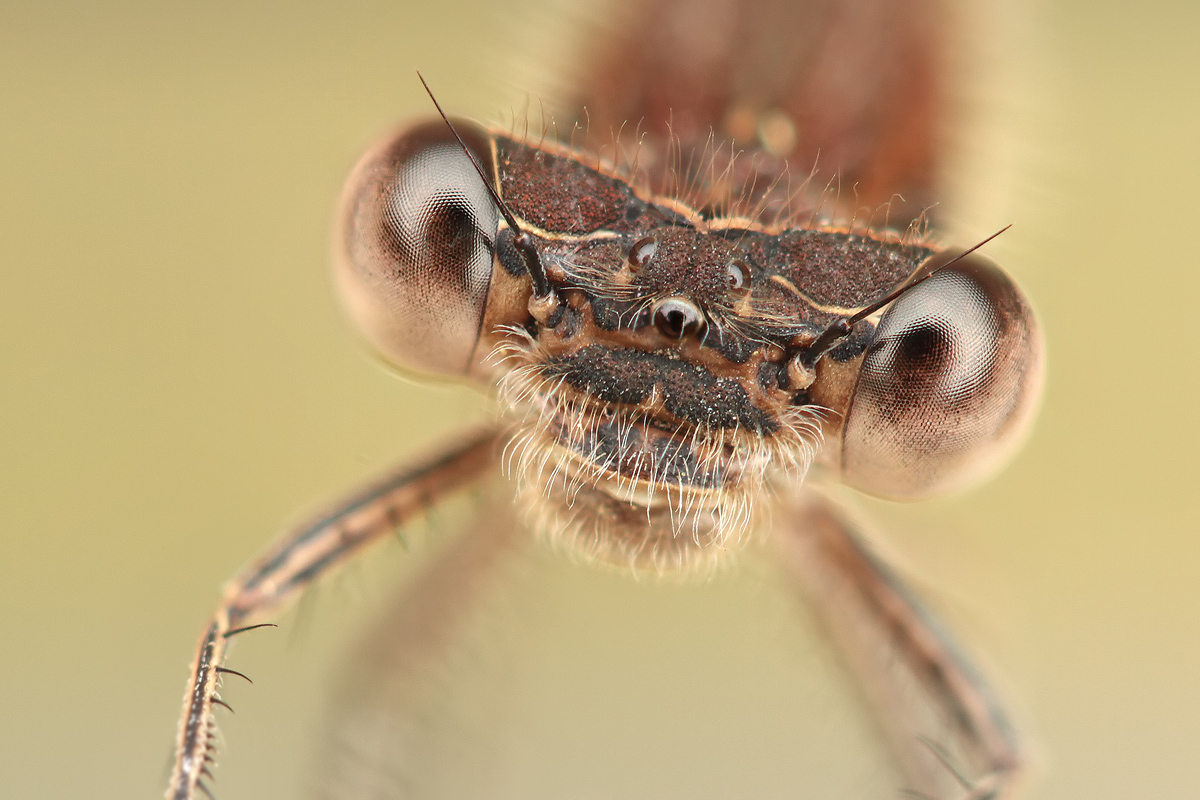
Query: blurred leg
(389, 707)
(950, 735)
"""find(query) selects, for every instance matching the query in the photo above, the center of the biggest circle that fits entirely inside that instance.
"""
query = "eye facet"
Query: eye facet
(947, 386)
(418, 233)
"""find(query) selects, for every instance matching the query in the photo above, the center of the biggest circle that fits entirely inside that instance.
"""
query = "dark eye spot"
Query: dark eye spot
(450, 232)
(923, 351)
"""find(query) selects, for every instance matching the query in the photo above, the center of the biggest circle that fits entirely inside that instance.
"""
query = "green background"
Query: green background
(176, 382)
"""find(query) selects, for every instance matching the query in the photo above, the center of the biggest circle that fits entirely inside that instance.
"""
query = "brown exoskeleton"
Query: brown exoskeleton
(673, 348)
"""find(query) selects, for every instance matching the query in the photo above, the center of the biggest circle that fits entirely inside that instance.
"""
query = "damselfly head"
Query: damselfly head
(664, 369)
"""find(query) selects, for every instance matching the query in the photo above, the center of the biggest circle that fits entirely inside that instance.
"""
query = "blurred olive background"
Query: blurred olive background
(177, 383)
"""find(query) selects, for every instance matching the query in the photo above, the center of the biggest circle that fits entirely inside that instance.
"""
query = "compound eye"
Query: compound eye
(418, 232)
(947, 386)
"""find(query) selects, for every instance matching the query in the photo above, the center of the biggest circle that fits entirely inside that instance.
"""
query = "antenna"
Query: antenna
(524, 242)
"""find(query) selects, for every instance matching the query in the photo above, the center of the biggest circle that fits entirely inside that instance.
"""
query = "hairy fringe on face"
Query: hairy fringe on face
(645, 518)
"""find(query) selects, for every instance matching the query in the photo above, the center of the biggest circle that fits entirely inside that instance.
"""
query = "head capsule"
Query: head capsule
(416, 240)
(948, 385)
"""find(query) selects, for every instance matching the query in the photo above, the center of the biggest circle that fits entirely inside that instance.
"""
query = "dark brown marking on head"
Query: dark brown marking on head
(607, 313)
(689, 392)
(557, 192)
(688, 263)
(841, 269)
(733, 346)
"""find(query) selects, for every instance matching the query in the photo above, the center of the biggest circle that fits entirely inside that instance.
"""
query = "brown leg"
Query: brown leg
(950, 735)
(291, 564)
